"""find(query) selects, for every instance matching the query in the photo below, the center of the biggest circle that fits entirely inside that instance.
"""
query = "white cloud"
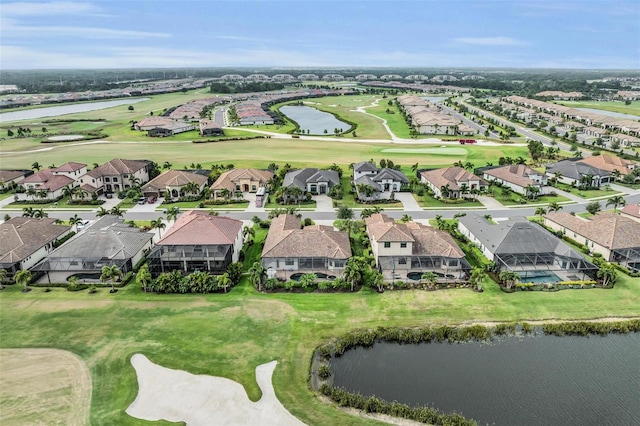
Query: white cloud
(489, 41)
(49, 8)
(9, 28)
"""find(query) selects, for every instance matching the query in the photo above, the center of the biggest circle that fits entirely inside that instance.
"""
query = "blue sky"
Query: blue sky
(270, 33)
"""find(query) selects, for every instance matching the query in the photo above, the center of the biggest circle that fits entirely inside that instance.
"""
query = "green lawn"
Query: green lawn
(229, 335)
(62, 204)
(587, 193)
(429, 202)
(349, 199)
(619, 106)
(515, 199)
(311, 205)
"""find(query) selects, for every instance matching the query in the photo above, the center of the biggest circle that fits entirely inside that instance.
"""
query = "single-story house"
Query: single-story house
(8, 177)
(518, 177)
(526, 248)
(616, 237)
(26, 241)
(610, 163)
(572, 171)
(631, 211)
(290, 249)
(108, 241)
(241, 180)
(209, 128)
(625, 140)
(452, 180)
(171, 184)
(404, 251)
(315, 181)
(198, 241)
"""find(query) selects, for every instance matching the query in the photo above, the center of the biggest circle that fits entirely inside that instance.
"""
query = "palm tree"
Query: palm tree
(116, 211)
(40, 214)
(554, 207)
(3, 276)
(616, 201)
(445, 190)
(75, 221)
(143, 277)
(508, 278)
(172, 213)
(30, 192)
(353, 272)
(256, 274)
(166, 165)
(134, 181)
(615, 174)
(224, 281)
(477, 278)
(191, 188)
(540, 211)
(159, 225)
(36, 166)
(67, 191)
(607, 274)
(41, 194)
(248, 233)
(429, 277)
(23, 277)
(80, 193)
(415, 167)
(366, 190)
(464, 189)
(111, 273)
(102, 212)
(27, 212)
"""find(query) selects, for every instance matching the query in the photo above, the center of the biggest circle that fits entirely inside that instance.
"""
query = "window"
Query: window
(387, 244)
(403, 245)
(107, 179)
(402, 261)
(288, 262)
(253, 187)
(237, 187)
(115, 179)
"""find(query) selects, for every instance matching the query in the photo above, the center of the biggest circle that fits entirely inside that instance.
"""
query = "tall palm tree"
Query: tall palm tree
(67, 191)
(554, 207)
(36, 166)
(102, 212)
(248, 233)
(172, 213)
(257, 273)
(116, 211)
(30, 192)
(80, 193)
(616, 201)
(540, 211)
(111, 273)
(40, 214)
(143, 277)
(191, 188)
(23, 277)
(28, 212)
(159, 225)
(353, 272)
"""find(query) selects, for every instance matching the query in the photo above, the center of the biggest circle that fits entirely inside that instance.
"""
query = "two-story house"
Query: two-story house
(117, 175)
(384, 181)
(518, 177)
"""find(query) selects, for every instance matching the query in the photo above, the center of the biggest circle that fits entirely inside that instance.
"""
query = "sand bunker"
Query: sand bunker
(179, 396)
(64, 138)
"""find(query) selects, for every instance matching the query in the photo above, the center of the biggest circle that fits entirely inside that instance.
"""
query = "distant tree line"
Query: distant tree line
(245, 87)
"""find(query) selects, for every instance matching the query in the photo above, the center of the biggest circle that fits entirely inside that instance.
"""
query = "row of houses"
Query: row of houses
(198, 241)
(427, 118)
(158, 126)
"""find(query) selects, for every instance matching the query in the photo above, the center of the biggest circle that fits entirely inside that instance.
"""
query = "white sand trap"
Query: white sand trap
(179, 396)
(64, 138)
(434, 151)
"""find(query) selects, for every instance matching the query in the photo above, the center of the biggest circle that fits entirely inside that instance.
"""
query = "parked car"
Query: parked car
(142, 200)
(82, 225)
(152, 200)
(108, 195)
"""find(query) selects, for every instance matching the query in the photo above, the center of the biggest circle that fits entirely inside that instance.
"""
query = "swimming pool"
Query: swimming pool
(539, 277)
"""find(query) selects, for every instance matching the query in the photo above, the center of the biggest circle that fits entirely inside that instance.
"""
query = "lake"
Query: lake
(530, 380)
(434, 99)
(30, 114)
(610, 113)
(314, 120)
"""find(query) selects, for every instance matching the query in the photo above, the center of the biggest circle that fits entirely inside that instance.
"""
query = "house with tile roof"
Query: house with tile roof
(384, 181)
(26, 241)
(237, 181)
(171, 184)
(48, 183)
(631, 211)
(290, 249)
(615, 236)
(574, 171)
(610, 163)
(404, 251)
(116, 175)
(526, 248)
(108, 241)
(209, 128)
(12, 177)
(198, 241)
(452, 180)
(315, 181)
(517, 177)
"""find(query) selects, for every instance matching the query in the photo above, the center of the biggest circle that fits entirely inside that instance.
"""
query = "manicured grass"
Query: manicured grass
(6, 195)
(229, 335)
(311, 205)
(428, 201)
(633, 108)
(514, 199)
(349, 198)
(185, 205)
(62, 204)
(588, 193)
(257, 153)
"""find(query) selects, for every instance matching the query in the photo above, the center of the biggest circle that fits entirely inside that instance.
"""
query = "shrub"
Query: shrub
(324, 372)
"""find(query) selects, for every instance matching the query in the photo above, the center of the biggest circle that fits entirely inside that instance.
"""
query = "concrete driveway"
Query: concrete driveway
(146, 207)
(324, 203)
(408, 202)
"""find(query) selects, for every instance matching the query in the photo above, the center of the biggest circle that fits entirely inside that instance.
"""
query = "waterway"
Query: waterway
(530, 380)
(314, 120)
(54, 111)
(610, 113)
(434, 99)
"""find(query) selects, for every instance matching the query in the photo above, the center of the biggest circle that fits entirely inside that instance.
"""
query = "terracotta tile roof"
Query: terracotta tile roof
(69, 167)
(229, 178)
(609, 163)
(287, 239)
(48, 181)
(450, 176)
(22, 236)
(631, 210)
(38, 177)
(609, 230)
(118, 166)
(200, 228)
(7, 175)
(175, 178)
(382, 228)
(517, 174)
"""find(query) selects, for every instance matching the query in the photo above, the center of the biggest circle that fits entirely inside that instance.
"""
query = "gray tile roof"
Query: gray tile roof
(574, 169)
(364, 166)
(301, 178)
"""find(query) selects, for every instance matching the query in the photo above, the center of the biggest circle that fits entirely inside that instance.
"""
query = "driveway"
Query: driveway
(146, 207)
(324, 203)
(490, 203)
(409, 203)
(251, 196)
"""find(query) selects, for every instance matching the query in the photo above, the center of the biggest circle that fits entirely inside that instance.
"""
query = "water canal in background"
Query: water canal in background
(314, 120)
(30, 114)
(610, 113)
(530, 380)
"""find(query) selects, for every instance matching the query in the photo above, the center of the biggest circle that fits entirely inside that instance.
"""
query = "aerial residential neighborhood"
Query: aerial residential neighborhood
(320, 213)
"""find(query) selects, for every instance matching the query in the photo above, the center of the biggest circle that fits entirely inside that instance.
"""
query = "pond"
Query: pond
(530, 380)
(434, 99)
(610, 113)
(314, 120)
(29, 114)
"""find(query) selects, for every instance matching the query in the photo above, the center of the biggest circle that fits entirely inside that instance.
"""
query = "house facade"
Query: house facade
(240, 180)
(47, 183)
(171, 184)
(517, 177)
(198, 241)
(290, 249)
(451, 182)
(26, 241)
(384, 181)
(315, 181)
(616, 237)
(575, 172)
(117, 175)
(404, 251)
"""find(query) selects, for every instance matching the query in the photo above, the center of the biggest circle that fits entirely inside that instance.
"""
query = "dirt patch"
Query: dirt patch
(53, 305)
(43, 386)
(274, 310)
